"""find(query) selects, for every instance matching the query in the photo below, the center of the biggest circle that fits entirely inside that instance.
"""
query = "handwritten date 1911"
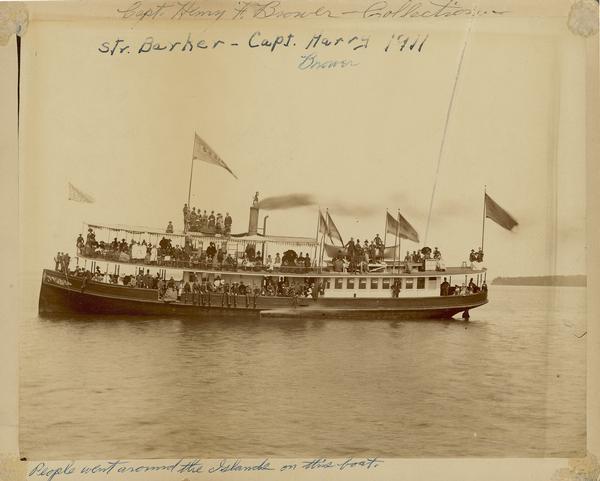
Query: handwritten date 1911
(401, 42)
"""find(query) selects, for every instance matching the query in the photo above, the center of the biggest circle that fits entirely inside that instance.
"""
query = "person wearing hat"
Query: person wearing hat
(228, 221)
(437, 255)
(170, 227)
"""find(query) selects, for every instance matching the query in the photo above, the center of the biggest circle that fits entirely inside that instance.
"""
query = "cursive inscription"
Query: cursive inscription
(312, 62)
(119, 469)
(143, 10)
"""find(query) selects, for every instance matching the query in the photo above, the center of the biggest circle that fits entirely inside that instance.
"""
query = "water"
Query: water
(509, 383)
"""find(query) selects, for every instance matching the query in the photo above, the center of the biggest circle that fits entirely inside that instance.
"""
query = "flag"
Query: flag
(391, 252)
(203, 152)
(322, 224)
(333, 251)
(79, 196)
(401, 228)
(332, 230)
(498, 214)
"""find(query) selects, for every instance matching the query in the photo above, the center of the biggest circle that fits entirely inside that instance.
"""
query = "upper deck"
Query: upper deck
(179, 252)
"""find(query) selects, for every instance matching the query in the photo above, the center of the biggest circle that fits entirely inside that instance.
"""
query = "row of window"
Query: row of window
(375, 282)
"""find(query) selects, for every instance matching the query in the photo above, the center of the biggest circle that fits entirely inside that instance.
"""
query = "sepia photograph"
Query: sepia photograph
(272, 229)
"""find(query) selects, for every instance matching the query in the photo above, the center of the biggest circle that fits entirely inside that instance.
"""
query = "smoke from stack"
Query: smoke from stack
(288, 201)
(291, 201)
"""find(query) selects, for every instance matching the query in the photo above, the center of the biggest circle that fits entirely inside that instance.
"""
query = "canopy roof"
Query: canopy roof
(179, 234)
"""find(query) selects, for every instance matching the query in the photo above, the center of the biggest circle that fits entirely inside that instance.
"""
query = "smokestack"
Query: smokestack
(253, 222)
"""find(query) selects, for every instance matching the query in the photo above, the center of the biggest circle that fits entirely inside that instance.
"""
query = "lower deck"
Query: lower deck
(61, 293)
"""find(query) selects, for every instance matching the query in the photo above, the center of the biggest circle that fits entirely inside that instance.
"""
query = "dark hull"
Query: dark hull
(60, 294)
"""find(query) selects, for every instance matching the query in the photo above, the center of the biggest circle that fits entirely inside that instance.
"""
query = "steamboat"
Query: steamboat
(254, 275)
(205, 271)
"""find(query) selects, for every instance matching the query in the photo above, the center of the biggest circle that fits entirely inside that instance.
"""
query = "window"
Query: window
(362, 283)
(350, 283)
(420, 283)
(409, 283)
(338, 282)
(385, 283)
(375, 283)
(328, 283)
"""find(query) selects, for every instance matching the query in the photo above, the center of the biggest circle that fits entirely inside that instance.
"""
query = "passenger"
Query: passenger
(66, 259)
(186, 212)
(211, 220)
(444, 288)
(350, 247)
(91, 237)
(186, 294)
(269, 263)
(169, 228)
(230, 262)
(192, 222)
(377, 241)
(338, 265)
(307, 262)
(437, 255)
(211, 250)
(80, 244)
(277, 262)
(228, 222)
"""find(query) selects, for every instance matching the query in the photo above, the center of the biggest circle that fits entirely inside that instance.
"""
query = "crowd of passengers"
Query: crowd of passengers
(355, 258)
(184, 290)
(195, 220)
(360, 258)
(446, 289)
(213, 257)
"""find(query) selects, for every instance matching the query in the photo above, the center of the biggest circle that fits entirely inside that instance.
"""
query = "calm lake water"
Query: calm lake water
(511, 382)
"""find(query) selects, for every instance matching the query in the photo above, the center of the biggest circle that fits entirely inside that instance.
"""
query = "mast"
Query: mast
(189, 194)
(317, 237)
(398, 239)
(190, 187)
(385, 235)
(323, 238)
(483, 221)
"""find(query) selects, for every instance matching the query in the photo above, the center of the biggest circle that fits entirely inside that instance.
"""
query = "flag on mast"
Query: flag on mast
(79, 196)
(332, 230)
(322, 224)
(400, 227)
(498, 214)
(203, 152)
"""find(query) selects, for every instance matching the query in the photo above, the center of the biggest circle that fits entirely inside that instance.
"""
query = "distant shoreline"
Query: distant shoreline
(561, 281)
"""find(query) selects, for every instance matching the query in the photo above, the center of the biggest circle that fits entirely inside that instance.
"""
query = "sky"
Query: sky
(360, 139)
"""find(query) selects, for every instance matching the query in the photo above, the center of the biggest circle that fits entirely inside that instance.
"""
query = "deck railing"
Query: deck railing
(257, 266)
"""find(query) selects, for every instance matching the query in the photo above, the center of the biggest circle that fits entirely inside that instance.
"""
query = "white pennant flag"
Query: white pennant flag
(79, 196)
(203, 152)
